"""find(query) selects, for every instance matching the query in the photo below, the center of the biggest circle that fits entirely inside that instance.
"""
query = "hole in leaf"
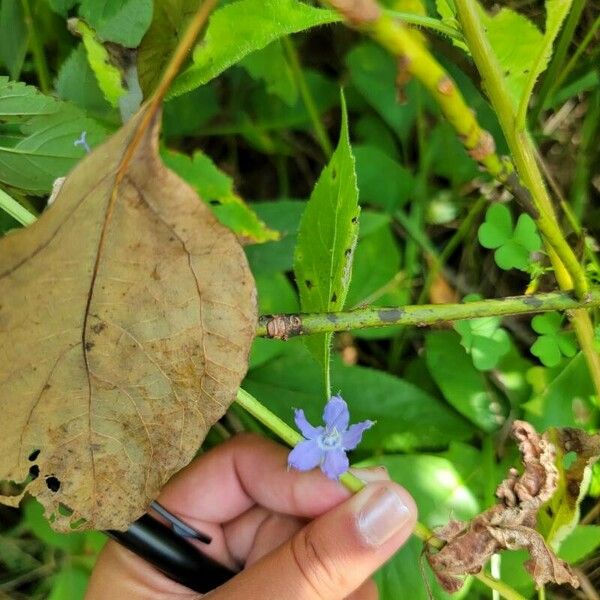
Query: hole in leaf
(65, 510)
(34, 455)
(569, 459)
(53, 483)
(308, 283)
(34, 472)
(77, 524)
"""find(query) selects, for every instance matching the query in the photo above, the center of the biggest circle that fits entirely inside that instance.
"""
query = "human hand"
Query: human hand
(296, 535)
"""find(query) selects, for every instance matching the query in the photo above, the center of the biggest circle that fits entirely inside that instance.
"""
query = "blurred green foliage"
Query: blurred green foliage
(248, 124)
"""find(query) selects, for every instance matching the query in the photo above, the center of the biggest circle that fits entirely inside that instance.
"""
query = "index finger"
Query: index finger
(242, 472)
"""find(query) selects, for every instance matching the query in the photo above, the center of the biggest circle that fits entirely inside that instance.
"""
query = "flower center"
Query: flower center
(330, 439)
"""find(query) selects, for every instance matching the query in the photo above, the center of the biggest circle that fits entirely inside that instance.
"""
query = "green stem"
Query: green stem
(566, 37)
(291, 437)
(569, 273)
(568, 270)
(15, 210)
(285, 326)
(37, 50)
(307, 97)
(426, 22)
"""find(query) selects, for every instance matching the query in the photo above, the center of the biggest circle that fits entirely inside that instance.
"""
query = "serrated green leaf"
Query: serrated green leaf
(237, 29)
(556, 13)
(108, 76)
(461, 383)
(14, 37)
(169, 22)
(271, 66)
(44, 149)
(216, 189)
(120, 21)
(19, 101)
(516, 60)
(326, 240)
(497, 228)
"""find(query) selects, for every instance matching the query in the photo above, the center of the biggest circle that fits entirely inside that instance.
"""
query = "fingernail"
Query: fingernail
(371, 474)
(382, 516)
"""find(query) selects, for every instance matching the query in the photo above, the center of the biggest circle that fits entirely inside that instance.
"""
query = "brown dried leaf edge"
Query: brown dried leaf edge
(510, 524)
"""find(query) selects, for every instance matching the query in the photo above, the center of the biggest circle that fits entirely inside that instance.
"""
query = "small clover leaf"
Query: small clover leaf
(483, 339)
(513, 246)
(553, 343)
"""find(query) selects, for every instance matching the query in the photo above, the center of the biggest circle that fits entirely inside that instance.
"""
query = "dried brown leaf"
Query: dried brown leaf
(510, 524)
(126, 316)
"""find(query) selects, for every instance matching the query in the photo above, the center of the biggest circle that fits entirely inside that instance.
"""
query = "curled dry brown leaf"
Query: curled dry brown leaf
(126, 317)
(510, 524)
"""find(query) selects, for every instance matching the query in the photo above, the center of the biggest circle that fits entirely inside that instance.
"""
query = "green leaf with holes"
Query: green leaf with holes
(483, 339)
(553, 343)
(513, 246)
(326, 241)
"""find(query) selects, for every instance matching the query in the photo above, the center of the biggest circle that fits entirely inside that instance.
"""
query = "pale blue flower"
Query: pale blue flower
(82, 141)
(326, 447)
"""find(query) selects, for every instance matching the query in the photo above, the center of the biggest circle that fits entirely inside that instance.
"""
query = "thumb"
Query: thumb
(334, 554)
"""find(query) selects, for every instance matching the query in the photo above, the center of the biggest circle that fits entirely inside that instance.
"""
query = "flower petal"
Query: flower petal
(336, 414)
(306, 429)
(353, 436)
(305, 456)
(335, 463)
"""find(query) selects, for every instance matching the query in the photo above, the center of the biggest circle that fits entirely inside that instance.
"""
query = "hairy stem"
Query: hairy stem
(285, 326)
(291, 437)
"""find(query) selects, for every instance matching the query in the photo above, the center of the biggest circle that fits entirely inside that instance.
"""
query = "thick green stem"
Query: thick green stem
(568, 270)
(285, 326)
(307, 97)
(15, 210)
(291, 437)
(37, 50)
(569, 273)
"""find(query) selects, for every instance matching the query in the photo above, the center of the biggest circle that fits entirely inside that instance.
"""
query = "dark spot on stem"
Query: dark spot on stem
(214, 202)
(355, 219)
(532, 301)
(308, 284)
(390, 314)
(53, 483)
(332, 318)
(334, 297)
